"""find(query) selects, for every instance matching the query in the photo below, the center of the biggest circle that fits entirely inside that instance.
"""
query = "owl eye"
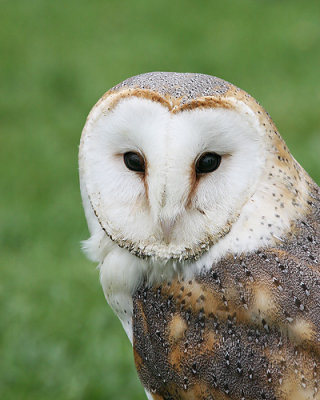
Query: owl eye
(208, 162)
(134, 161)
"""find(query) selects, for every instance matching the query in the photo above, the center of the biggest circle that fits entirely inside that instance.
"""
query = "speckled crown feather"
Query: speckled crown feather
(183, 86)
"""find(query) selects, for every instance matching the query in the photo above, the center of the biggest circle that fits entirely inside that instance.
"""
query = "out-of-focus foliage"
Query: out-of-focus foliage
(58, 338)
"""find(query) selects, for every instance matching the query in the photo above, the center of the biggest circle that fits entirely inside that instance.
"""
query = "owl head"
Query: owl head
(175, 164)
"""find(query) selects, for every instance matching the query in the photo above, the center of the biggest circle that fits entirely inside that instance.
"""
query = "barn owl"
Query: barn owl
(206, 231)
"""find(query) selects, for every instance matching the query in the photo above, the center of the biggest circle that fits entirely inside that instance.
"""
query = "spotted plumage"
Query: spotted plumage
(248, 328)
(214, 276)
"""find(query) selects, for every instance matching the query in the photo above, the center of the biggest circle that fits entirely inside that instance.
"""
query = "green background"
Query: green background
(58, 337)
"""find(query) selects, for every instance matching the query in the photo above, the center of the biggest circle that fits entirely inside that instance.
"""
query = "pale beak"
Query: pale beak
(167, 227)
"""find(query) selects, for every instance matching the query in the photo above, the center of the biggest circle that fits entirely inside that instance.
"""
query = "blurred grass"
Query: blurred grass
(58, 338)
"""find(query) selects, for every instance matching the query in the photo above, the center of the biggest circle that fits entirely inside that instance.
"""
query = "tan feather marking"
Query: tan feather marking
(291, 389)
(209, 342)
(263, 304)
(195, 296)
(193, 183)
(205, 102)
(141, 93)
(177, 328)
(157, 397)
(277, 356)
(137, 359)
(200, 391)
(302, 331)
(145, 179)
(143, 317)
(175, 357)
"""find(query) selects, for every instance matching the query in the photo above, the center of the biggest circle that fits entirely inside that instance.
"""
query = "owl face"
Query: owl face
(169, 183)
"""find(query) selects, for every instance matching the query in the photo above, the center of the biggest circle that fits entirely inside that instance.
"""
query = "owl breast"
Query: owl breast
(249, 328)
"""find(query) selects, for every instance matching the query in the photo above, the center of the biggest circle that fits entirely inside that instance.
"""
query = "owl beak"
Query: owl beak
(167, 227)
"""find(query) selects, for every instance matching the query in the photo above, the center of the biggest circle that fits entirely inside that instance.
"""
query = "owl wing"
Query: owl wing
(249, 328)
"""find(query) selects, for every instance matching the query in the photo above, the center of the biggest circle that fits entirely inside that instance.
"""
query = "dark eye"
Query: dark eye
(134, 161)
(208, 162)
